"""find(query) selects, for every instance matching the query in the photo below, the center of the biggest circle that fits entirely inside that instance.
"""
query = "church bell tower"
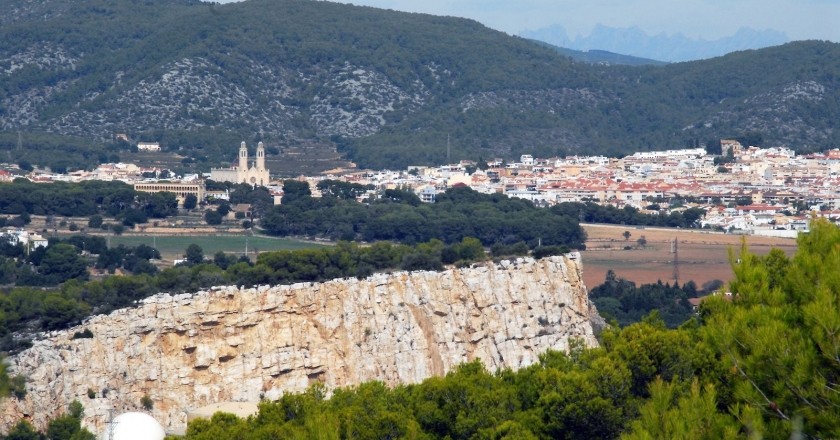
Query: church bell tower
(243, 157)
(260, 156)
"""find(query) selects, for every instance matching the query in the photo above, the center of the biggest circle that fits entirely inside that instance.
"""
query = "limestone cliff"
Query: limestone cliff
(243, 344)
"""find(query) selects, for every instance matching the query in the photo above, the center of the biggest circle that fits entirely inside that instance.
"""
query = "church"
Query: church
(256, 174)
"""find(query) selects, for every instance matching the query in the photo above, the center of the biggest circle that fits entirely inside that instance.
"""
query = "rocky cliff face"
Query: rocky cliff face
(243, 344)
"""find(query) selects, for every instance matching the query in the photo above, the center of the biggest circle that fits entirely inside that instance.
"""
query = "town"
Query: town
(747, 190)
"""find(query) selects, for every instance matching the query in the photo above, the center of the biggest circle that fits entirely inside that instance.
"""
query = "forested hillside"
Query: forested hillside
(387, 88)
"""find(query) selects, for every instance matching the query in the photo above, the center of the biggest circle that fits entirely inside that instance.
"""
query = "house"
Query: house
(428, 194)
(240, 211)
(148, 146)
(29, 240)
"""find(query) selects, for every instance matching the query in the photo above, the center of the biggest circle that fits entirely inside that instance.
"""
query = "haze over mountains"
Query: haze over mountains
(386, 88)
(671, 48)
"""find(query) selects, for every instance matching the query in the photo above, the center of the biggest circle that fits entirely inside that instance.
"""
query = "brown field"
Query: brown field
(703, 255)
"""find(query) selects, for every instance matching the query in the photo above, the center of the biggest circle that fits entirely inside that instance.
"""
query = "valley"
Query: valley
(430, 229)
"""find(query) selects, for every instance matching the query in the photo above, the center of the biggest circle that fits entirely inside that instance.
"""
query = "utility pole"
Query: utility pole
(676, 261)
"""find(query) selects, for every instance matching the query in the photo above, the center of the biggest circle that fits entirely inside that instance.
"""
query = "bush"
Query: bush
(76, 409)
(545, 251)
(213, 217)
(95, 221)
(24, 165)
(17, 385)
(501, 250)
(190, 201)
(84, 334)
(147, 403)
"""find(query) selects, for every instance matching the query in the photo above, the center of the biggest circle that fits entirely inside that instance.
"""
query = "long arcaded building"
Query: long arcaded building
(181, 189)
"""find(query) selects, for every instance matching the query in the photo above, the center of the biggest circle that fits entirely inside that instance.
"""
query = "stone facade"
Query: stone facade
(257, 174)
(237, 344)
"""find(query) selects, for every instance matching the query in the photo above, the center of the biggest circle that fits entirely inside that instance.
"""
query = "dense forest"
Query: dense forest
(398, 215)
(620, 300)
(199, 77)
(85, 199)
(761, 365)
(591, 212)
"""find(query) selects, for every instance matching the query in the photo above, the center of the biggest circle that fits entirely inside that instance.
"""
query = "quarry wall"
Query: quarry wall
(243, 344)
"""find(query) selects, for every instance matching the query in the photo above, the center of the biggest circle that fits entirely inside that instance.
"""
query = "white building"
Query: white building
(526, 159)
(29, 240)
(148, 146)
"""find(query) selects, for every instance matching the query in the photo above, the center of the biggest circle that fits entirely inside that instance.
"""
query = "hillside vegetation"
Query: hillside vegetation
(385, 87)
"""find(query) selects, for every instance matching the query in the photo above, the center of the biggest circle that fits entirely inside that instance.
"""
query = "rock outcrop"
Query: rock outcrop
(244, 344)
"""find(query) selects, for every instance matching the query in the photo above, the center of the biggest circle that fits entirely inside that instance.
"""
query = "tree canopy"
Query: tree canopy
(399, 216)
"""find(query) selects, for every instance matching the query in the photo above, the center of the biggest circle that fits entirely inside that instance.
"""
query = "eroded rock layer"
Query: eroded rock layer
(243, 344)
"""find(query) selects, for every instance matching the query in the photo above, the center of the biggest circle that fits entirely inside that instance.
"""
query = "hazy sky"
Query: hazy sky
(708, 19)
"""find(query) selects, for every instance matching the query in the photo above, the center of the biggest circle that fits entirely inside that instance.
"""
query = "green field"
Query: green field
(174, 246)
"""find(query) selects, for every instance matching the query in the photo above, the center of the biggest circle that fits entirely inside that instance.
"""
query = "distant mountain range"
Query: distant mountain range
(602, 57)
(671, 48)
(384, 88)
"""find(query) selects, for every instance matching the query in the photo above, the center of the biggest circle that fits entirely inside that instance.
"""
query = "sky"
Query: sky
(706, 19)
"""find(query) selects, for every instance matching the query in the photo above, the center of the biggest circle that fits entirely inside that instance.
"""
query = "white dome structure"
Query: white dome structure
(136, 426)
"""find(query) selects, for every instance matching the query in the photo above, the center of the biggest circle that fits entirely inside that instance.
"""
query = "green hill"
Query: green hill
(386, 88)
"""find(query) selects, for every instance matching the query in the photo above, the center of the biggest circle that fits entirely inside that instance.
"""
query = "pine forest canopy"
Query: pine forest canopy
(385, 87)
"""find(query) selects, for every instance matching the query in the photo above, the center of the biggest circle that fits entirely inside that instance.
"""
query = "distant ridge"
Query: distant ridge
(670, 48)
(602, 56)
